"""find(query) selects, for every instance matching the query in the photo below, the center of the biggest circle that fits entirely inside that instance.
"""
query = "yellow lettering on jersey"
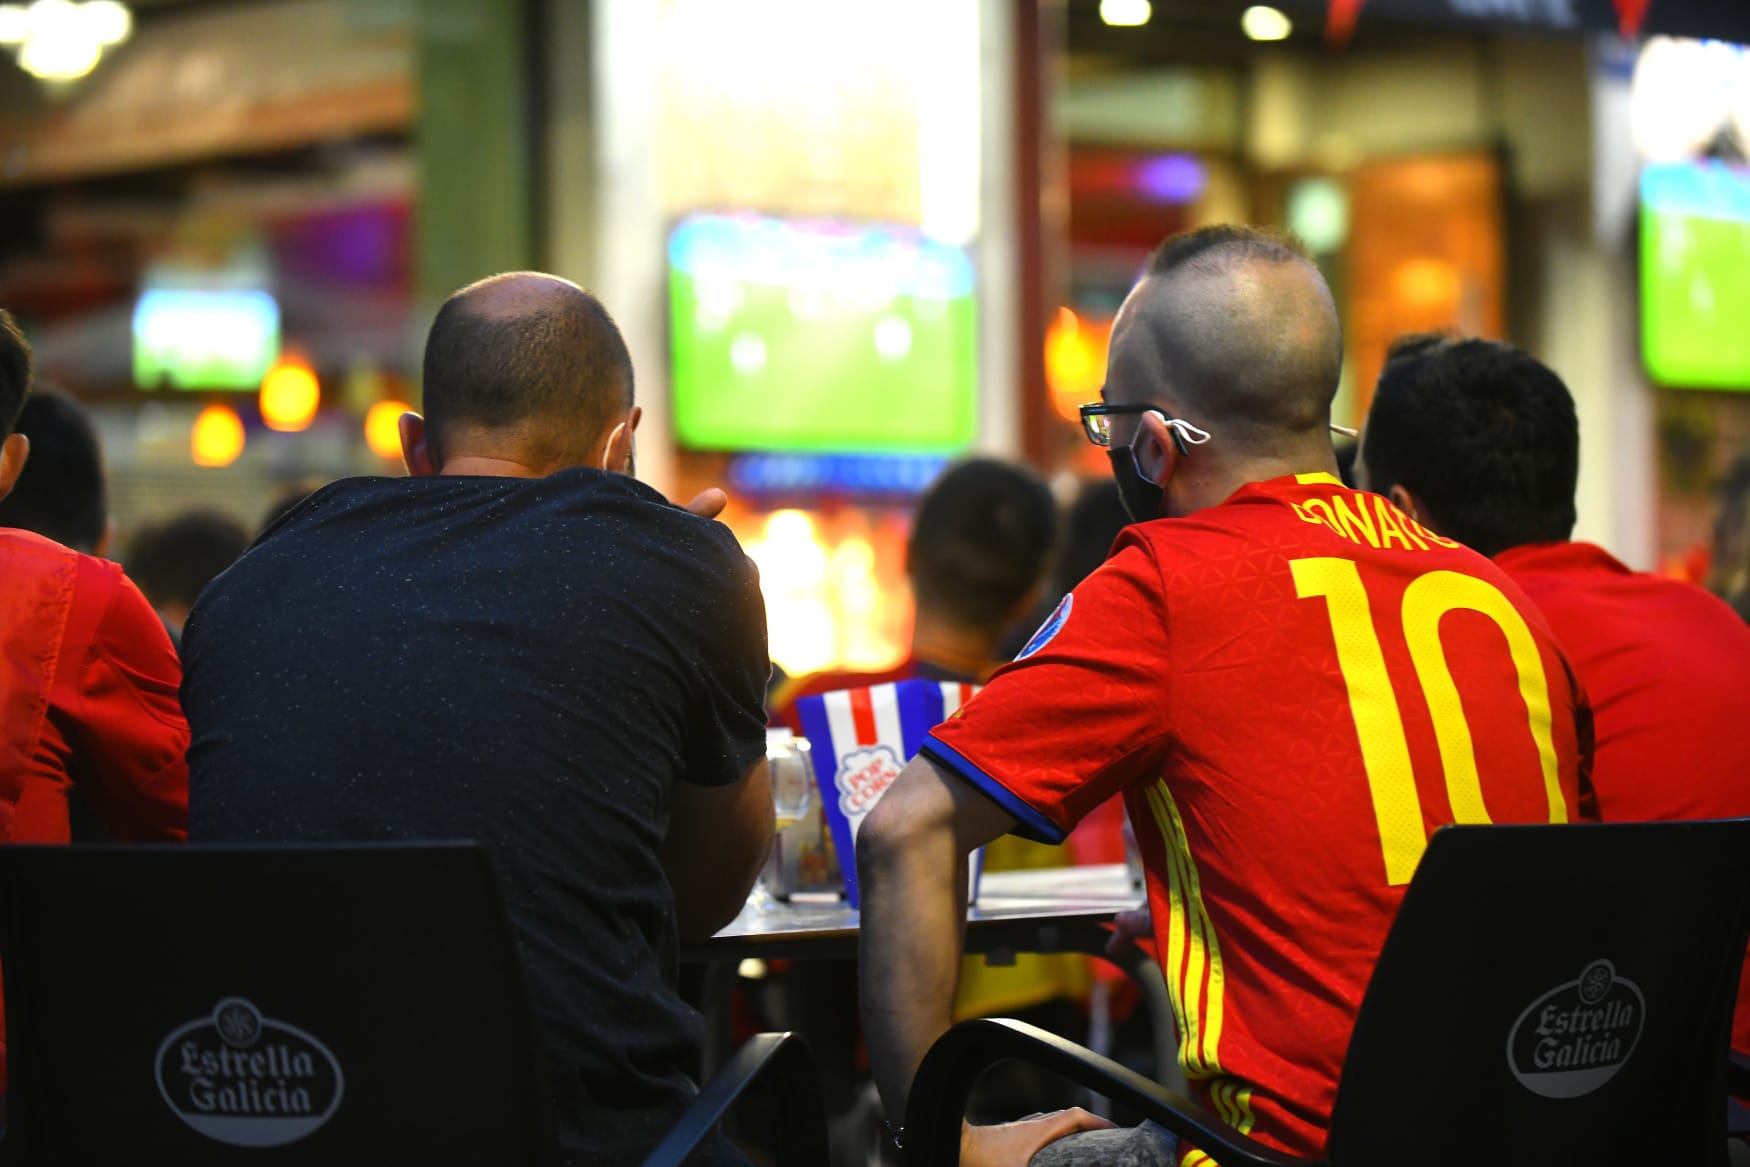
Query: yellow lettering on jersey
(1355, 519)
(1379, 726)
(1321, 509)
(1305, 516)
(1385, 512)
(1430, 597)
(1430, 535)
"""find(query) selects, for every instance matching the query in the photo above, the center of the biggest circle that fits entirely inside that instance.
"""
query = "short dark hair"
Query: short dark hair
(981, 540)
(175, 561)
(16, 367)
(521, 347)
(1483, 433)
(61, 494)
(1218, 246)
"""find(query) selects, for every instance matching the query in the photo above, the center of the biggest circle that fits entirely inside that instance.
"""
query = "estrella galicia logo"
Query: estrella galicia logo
(1048, 630)
(240, 1078)
(1575, 1038)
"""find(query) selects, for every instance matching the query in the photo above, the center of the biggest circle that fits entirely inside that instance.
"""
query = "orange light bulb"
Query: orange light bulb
(217, 438)
(383, 428)
(289, 396)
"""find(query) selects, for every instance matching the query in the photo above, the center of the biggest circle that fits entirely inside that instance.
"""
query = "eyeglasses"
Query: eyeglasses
(1097, 422)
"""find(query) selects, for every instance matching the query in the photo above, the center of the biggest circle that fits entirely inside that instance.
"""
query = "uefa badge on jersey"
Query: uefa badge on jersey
(861, 740)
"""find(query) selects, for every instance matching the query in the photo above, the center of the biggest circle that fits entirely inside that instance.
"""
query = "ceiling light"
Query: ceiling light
(14, 24)
(1263, 23)
(1125, 13)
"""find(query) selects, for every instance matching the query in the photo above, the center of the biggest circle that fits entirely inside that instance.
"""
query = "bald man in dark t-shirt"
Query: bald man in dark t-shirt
(520, 644)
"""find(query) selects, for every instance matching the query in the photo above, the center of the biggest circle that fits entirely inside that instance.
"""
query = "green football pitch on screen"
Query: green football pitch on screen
(1695, 275)
(822, 338)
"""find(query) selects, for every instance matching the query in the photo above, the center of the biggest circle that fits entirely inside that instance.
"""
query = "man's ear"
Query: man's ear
(415, 453)
(1410, 505)
(1157, 456)
(619, 450)
(13, 453)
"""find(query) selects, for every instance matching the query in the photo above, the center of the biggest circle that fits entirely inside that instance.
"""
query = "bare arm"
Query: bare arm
(911, 865)
(718, 839)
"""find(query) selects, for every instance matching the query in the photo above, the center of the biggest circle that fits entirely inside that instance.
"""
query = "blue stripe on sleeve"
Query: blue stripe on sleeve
(1033, 826)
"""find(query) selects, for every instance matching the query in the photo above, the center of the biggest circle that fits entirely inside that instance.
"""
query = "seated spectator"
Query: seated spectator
(1244, 665)
(175, 561)
(976, 558)
(61, 493)
(88, 691)
(1479, 441)
(524, 645)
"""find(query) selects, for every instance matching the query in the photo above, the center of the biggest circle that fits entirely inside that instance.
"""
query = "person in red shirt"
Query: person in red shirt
(88, 697)
(1291, 684)
(1479, 440)
(976, 559)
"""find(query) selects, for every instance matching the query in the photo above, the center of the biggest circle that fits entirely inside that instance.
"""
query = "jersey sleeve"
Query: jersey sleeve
(126, 724)
(1082, 713)
(728, 733)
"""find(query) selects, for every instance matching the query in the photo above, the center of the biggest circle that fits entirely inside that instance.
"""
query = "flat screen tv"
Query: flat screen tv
(809, 336)
(204, 339)
(1695, 275)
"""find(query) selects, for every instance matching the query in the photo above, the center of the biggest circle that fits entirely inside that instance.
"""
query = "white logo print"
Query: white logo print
(1575, 1038)
(240, 1078)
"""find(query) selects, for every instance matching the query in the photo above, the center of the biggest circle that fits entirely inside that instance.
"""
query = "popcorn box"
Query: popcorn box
(861, 739)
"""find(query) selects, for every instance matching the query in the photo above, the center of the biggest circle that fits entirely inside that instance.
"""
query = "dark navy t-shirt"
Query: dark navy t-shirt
(533, 663)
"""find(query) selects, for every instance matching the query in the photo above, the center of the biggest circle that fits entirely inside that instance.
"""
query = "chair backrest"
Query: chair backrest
(1553, 995)
(299, 1004)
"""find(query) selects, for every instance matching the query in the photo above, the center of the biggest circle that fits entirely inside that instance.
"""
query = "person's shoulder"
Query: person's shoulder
(639, 510)
(32, 558)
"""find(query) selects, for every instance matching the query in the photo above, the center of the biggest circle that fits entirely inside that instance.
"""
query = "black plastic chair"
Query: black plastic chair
(781, 1064)
(308, 1004)
(1644, 923)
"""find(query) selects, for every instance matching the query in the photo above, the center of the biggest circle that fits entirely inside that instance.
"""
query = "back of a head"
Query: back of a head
(15, 372)
(61, 493)
(173, 562)
(1483, 434)
(532, 359)
(1244, 335)
(980, 542)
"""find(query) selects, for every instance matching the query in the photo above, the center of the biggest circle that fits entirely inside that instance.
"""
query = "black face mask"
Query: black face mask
(1141, 498)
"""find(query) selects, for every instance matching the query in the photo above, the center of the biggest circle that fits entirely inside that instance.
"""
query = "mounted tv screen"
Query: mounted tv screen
(1695, 275)
(806, 336)
(204, 339)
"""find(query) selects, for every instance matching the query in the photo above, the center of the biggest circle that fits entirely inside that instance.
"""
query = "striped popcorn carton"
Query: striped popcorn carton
(861, 739)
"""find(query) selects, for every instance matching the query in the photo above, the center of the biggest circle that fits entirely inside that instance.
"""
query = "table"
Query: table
(1060, 909)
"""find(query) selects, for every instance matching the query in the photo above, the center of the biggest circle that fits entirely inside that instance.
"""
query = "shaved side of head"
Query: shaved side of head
(1239, 329)
(529, 358)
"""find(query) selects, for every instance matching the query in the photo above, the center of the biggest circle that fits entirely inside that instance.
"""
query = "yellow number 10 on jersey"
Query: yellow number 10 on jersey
(1385, 751)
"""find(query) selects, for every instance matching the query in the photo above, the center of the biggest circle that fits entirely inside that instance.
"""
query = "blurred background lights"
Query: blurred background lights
(1172, 178)
(1263, 23)
(748, 354)
(63, 40)
(1075, 362)
(289, 396)
(1681, 96)
(383, 428)
(217, 437)
(1318, 212)
(892, 338)
(1125, 13)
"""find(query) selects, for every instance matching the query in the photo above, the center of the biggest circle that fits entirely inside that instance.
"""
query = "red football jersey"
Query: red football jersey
(1291, 690)
(1665, 666)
